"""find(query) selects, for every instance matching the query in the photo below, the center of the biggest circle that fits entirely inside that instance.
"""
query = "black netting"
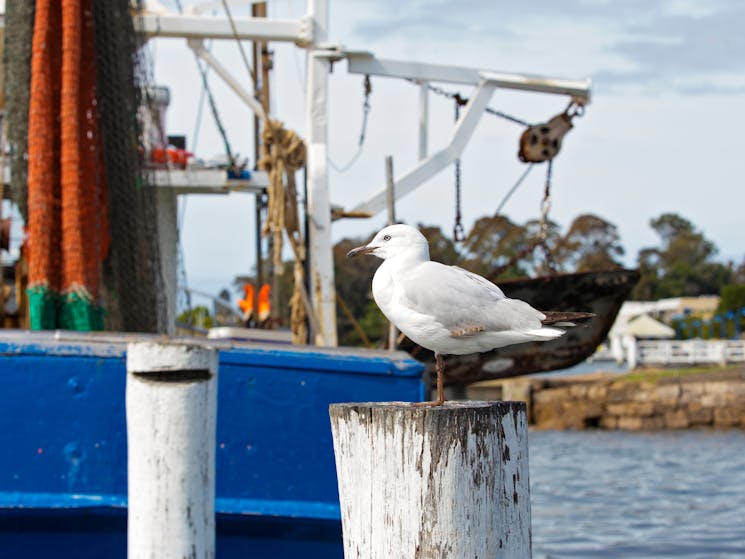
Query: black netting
(132, 271)
(19, 29)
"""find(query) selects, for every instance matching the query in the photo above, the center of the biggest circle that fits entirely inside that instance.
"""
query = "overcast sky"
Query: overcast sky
(663, 132)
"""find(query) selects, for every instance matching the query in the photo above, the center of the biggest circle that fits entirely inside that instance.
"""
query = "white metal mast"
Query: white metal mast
(322, 289)
(311, 32)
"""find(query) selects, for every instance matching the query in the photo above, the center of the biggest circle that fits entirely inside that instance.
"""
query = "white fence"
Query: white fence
(686, 352)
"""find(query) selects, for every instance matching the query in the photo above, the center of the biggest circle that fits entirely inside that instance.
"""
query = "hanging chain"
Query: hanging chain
(367, 90)
(458, 233)
(463, 100)
(575, 108)
(544, 222)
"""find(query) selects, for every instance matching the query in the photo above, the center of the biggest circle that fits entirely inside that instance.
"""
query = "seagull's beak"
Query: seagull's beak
(367, 249)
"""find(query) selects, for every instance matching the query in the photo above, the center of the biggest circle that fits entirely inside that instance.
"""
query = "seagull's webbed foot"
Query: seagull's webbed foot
(440, 385)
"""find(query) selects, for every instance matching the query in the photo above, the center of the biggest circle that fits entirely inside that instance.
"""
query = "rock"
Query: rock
(631, 408)
(551, 394)
(654, 422)
(726, 417)
(621, 391)
(631, 423)
(597, 392)
(698, 414)
(691, 392)
(578, 391)
(667, 393)
(677, 419)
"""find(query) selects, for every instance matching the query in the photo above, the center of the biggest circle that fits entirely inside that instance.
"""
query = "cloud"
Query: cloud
(690, 53)
(675, 45)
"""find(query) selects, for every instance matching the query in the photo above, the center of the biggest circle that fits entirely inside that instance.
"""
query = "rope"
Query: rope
(249, 70)
(283, 154)
(542, 237)
(213, 109)
(514, 188)
(210, 99)
(367, 88)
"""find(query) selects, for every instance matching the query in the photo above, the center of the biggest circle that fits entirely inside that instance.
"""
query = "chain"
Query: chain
(463, 100)
(505, 116)
(458, 233)
(543, 231)
(367, 88)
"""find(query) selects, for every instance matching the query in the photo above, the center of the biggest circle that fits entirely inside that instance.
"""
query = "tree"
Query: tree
(354, 287)
(540, 259)
(683, 265)
(441, 248)
(591, 243)
(492, 242)
(198, 317)
(732, 298)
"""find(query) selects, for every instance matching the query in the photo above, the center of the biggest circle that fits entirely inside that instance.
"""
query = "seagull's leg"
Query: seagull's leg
(440, 379)
(440, 384)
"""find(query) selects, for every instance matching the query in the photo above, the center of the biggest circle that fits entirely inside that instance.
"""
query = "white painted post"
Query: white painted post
(322, 288)
(631, 351)
(423, 119)
(425, 482)
(391, 203)
(171, 405)
(167, 212)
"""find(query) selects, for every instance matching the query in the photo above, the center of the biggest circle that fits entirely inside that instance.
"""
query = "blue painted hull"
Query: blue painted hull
(63, 476)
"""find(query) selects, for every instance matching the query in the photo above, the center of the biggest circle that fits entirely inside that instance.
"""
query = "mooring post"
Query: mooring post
(431, 482)
(171, 404)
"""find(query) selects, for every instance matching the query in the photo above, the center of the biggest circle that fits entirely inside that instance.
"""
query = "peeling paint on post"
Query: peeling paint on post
(448, 481)
(171, 402)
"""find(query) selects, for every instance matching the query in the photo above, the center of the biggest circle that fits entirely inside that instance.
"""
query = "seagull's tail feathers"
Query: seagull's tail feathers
(542, 334)
(565, 319)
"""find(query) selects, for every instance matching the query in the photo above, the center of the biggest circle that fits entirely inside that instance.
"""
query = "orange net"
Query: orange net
(68, 229)
(43, 149)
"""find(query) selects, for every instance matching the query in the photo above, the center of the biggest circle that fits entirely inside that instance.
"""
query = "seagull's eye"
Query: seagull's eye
(387, 238)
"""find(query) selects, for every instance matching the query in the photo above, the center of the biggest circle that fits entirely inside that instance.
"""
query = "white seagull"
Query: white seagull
(447, 309)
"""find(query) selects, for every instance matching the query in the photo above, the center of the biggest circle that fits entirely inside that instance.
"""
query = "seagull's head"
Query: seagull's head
(395, 240)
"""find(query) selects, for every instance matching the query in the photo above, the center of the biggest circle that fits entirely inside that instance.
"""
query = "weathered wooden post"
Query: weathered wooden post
(430, 482)
(171, 422)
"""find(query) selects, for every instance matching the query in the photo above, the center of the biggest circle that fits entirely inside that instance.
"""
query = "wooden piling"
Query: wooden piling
(429, 482)
(171, 405)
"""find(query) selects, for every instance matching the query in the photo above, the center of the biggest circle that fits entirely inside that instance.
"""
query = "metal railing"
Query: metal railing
(688, 352)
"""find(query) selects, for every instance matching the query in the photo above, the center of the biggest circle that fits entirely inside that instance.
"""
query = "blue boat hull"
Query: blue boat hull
(63, 477)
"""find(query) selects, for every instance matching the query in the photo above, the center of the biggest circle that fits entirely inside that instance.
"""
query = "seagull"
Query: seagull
(447, 309)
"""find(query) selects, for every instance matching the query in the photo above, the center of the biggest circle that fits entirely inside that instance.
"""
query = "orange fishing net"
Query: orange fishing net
(67, 225)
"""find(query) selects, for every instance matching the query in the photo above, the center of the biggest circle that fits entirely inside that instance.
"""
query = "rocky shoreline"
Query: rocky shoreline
(640, 401)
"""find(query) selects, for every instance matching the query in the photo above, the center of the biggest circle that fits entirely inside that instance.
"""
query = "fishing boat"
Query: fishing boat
(63, 486)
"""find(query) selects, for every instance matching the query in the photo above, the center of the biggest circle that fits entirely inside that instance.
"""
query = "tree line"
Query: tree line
(682, 263)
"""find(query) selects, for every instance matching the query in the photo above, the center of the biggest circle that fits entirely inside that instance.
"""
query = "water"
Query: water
(587, 367)
(614, 494)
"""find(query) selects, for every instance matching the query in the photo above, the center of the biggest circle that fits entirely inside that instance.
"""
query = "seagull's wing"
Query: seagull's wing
(463, 302)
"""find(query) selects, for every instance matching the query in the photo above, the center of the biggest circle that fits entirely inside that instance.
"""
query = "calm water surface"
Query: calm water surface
(611, 494)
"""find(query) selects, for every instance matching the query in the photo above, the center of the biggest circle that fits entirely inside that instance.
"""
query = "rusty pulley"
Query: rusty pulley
(542, 142)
